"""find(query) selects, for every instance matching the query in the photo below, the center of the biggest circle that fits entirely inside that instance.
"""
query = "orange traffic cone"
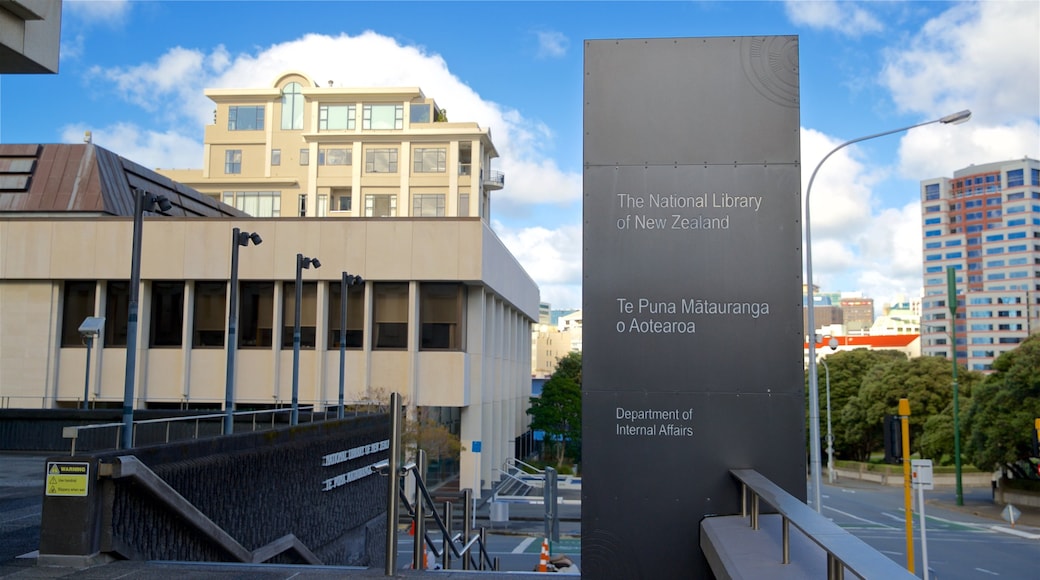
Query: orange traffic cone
(411, 529)
(543, 560)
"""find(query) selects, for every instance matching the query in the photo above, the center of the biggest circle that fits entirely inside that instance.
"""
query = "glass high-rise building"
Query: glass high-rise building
(984, 222)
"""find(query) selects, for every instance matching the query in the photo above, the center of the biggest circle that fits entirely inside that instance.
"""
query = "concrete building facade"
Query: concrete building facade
(30, 36)
(984, 222)
(443, 317)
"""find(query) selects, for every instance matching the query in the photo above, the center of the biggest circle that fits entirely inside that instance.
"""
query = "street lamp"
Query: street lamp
(143, 201)
(301, 263)
(238, 238)
(348, 281)
(814, 389)
(951, 300)
(830, 436)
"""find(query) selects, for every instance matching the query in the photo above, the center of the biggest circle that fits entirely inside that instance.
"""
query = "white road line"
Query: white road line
(523, 545)
(985, 571)
(896, 518)
(846, 514)
(1014, 532)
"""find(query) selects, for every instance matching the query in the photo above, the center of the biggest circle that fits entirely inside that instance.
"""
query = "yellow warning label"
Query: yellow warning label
(67, 479)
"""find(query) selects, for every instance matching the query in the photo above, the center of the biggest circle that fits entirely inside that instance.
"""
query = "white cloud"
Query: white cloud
(173, 87)
(551, 44)
(845, 17)
(841, 195)
(149, 148)
(937, 151)
(551, 257)
(984, 56)
(111, 12)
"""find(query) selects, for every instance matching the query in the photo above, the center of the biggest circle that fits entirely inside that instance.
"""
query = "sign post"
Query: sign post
(922, 469)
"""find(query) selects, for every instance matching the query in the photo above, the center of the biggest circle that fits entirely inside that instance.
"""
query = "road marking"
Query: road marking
(523, 545)
(848, 490)
(846, 514)
(1014, 532)
(896, 518)
(987, 571)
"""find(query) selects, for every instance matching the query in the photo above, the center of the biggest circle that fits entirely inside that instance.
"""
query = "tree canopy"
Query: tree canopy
(557, 412)
(1001, 418)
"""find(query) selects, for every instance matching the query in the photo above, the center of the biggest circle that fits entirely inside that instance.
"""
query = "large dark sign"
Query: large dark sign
(692, 292)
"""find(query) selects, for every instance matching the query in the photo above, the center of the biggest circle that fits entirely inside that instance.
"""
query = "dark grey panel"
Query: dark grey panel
(644, 496)
(737, 287)
(691, 292)
(691, 100)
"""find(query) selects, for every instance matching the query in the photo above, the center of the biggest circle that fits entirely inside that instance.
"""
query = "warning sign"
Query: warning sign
(67, 479)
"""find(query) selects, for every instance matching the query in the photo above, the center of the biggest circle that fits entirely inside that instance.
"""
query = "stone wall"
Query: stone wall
(257, 487)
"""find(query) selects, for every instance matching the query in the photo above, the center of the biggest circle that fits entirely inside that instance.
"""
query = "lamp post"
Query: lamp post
(830, 436)
(301, 263)
(238, 238)
(951, 300)
(348, 281)
(814, 394)
(143, 201)
(91, 327)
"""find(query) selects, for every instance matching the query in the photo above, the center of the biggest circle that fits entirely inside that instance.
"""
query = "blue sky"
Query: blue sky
(133, 72)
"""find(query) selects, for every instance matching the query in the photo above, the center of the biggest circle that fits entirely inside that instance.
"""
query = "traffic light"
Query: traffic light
(1036, 438)
(893, 439)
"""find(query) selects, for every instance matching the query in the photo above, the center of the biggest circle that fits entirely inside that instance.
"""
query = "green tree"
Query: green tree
(926, 382)
(1001, 418)
(557, 412)
(847, 370)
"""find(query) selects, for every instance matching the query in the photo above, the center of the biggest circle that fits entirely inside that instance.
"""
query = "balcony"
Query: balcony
(493, 179)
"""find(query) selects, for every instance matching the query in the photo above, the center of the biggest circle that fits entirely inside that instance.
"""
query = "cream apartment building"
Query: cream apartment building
(443, 317)
(300, 149)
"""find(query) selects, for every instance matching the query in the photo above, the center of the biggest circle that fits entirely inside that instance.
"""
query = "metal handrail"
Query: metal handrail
(483, 561)
(512, 461)
(72, 432)
(844, 551)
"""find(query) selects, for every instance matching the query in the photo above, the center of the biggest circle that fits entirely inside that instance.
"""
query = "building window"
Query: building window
(323, 205)
(117, 308)
(1015, 178)
(245, 118)
(255, 314)
(381, 161)
(276, 156)
(302, 204)
(390, 315)
(336, 117)
(308, 314)
(167, 313)
(342, 199)
(255, 203)
(334, 156)
(233, 161)
(419, 113)
(292, 107)
(463, 205)
(380, 117)
(430, 160)
(305, 156)
(208, 315)
(78, 304)
(442, 316)
(380, 205)
(355, 315)
(428, 205)
(931, 191)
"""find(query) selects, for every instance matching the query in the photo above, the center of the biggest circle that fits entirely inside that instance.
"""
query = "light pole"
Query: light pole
(348, 281)
(951, 300)
(238, 238)
(814, 388)
(301, 263)
(143, 201)
(91, 327)
(830, 436)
